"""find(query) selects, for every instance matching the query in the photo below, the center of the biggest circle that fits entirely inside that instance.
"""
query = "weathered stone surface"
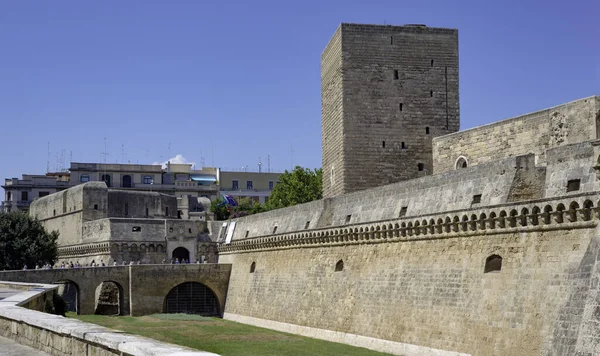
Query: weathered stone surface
(386, 91)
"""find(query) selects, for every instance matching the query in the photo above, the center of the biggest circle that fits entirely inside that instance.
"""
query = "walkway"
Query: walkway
(10, 348)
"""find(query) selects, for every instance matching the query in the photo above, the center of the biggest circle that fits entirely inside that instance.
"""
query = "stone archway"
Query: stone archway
(109, 299)
(69, 292)
(181, 253)
(192, 298)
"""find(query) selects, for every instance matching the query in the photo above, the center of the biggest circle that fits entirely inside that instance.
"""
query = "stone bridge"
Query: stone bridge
(142, 289)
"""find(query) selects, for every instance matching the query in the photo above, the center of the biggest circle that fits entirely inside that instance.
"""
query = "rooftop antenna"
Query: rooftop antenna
(269, 163)
(259, 165)
(104, 154)
(169, 149)
(123, 153)
(48, 159)
(70, 157)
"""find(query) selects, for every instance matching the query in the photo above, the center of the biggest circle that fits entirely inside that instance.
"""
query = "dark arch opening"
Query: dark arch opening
(106, 179)
(493, 264)
(126, 181)
(192, 298)
(109, 299)
(69, 292)
(339, 266)
(252, 267)
(181, 253)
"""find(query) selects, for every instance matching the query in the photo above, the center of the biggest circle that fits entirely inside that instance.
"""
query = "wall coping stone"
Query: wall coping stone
(115, 340)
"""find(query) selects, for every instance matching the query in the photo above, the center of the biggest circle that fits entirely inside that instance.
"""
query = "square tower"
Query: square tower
(386, 91)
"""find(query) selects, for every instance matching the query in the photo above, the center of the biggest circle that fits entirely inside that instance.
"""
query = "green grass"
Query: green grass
(222, 336)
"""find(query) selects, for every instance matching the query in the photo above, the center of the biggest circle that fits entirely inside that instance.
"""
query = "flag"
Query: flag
(228, 200)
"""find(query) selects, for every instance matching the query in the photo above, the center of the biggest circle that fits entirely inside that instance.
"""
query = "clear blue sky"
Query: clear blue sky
(242, 78)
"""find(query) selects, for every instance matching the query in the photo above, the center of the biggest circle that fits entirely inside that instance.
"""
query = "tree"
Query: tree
(220, 210)
(24, 241)
(296, 187)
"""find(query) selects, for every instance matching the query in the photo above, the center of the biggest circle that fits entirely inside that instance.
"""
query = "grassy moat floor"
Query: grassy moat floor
(220, 336)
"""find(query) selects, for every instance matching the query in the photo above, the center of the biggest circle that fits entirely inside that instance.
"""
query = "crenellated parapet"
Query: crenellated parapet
(576, 211)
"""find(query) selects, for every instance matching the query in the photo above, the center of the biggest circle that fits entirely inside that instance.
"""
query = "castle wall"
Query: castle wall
(134, 204)
(569, 123)
(419, 283)
(386, 92)
(65, 211)
(450, 191)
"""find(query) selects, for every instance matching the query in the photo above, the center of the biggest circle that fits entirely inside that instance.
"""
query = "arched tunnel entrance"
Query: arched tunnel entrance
(192, 298)
(109, 299)
(69, 292)
(181, 253)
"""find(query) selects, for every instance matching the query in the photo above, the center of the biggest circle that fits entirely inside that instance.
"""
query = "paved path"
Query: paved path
(5, 292)
(10, 348)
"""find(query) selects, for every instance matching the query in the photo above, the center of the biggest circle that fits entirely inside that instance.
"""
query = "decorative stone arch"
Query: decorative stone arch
(192, 298)
(588, 206)
(512, 221)
(523, 217)
(431, 226)
(473, 222)
(69, 291)
(440, 225)
(482, 220)
(417, 228)
(448, 224)
(464, 225)
(492, 220)
(558, 215)
(109, 298)
(151, 248)
(534, 217)
(573, 208)
(461, 162)
(502, 219)
(547, 214)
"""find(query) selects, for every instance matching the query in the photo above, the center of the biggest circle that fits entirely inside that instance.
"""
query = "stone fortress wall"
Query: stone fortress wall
(386, 92)
(573, 122)
(416, 284)
(100, 224)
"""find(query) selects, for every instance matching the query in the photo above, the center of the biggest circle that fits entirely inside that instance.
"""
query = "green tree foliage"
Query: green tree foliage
(24, 241)
(296, 187)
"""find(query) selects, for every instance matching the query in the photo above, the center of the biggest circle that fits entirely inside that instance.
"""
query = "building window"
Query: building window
(106, 179)
(493, 264)
(572, 185)
(396, 74)
(95, 206)
(270, 185)
(24, 196)
(401, 106)
(252, 267)
(167, 211)
(8, 196)
(382, 144)
(190, 230)
(148, 180)
(348, 217)
(476, 199)
(146, 212)
(84, 178)
(247, 232)
(461, 162)
(136, 229)
(235, 185)
(339, 266)
(431, 93)
(43, 194)
(427, 130)
(403, 211)
(420, 167)
(307, 225)
(126, 209)
(432, 62)
(403, 145)
(274, 229)
(249, 184)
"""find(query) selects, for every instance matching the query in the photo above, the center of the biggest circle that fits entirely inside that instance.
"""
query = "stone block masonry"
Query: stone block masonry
(386, 92)
(570, 123)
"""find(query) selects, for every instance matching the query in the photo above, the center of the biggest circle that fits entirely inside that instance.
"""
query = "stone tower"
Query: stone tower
(386, 91)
